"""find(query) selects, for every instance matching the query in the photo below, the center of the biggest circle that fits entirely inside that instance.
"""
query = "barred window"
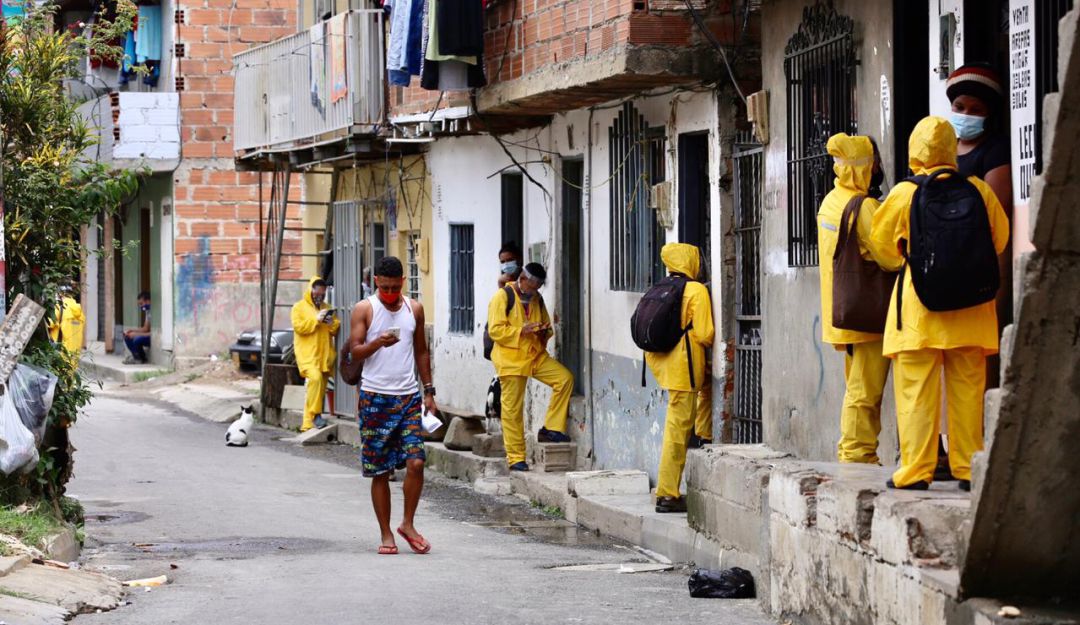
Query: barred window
(461, 279)
(637, 160)
(412, 268)
(819, 63)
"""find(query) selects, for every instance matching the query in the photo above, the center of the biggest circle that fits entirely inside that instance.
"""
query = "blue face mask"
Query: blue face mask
(967, 127)
(144, 307)
(509, 268)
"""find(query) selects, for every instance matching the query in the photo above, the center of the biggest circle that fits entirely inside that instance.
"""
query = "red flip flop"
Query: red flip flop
(388, 550)
(419, 545)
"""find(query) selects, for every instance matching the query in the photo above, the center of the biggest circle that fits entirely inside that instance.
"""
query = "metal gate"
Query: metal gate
(749, 166)
(348, 261)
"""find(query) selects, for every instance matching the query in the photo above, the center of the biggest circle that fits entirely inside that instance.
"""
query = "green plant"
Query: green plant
(52, 188)
(143, 376)
(30, 524)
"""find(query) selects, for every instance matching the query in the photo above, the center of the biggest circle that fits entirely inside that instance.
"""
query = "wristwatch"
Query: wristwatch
(429, 389)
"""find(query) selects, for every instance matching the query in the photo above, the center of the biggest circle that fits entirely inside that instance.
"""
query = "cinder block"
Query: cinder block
(731, 472)
(489, 446)
(553, 457)
(293, 397)
(460, 433)
(919, 530)
(608, 516)
(846, 510)
(729, 524)
(588, 483)
(138, 132)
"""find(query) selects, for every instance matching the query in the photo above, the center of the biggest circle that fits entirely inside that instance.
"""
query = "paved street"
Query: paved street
(275, 534)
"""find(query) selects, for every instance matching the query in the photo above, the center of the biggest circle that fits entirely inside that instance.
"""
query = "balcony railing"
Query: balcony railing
(276, 106)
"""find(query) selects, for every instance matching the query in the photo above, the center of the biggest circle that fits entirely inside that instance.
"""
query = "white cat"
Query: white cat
(237, 436)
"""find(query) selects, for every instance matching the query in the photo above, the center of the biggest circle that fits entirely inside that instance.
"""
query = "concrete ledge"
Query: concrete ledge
(463, 465)
(109, 369)
(62, 546)
(546, 489)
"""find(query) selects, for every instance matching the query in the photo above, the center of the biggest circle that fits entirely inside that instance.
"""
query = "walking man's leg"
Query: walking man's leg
(380, 500)
(513, 426)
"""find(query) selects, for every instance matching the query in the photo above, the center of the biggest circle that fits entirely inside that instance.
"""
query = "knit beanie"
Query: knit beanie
(977, 80)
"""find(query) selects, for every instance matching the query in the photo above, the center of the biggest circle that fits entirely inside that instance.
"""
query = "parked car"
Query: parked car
(247, 350)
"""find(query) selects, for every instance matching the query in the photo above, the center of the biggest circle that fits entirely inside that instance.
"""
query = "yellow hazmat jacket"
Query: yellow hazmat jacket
(932, 147)
(853, 162)
(313, 342)
(69, 324)
(671, 369)
(515, 354)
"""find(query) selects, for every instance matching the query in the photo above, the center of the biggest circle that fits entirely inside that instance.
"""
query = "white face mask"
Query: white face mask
(967, 126)
(509, 268)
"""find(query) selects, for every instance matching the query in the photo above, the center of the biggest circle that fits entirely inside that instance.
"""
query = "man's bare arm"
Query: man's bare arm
(420, 346)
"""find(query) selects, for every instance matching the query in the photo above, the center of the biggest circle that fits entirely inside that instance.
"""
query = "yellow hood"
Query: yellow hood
(307, 293)
(681, 258)
(932, 146)
(853, 161)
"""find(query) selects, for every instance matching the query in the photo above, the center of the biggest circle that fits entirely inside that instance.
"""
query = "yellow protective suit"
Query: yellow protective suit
(865, 368)
(69, 326)
(673, 373)
(313, 344)
(517, 358)
(957, 341)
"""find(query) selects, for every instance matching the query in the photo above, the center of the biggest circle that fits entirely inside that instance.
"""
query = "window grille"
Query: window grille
(461, 279)
(819, 64)
(748, 162)
(637, 160)
(413, 268)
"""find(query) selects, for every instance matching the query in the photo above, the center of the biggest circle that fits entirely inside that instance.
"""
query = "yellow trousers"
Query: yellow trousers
(682, 413)
(551, 373)
(865, 371)
(703, 412)
(316, 392)
(917, 378)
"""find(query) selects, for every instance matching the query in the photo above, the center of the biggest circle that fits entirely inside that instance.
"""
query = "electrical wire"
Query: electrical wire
(716, 44)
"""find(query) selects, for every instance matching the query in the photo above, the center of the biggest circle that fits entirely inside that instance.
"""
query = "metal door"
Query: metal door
(348, 251)
(748, 161)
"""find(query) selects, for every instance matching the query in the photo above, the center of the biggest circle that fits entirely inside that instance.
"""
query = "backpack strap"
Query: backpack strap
(511, 298)
(689, 354)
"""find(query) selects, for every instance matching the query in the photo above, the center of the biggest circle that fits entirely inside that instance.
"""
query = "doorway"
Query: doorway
(571, 337)
(694, 224)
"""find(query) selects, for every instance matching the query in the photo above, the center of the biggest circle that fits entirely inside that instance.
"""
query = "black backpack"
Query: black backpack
(952, 258)
(511, 298)
(656, 325)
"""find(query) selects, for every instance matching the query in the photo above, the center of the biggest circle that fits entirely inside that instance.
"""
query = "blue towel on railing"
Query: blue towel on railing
(148, 36)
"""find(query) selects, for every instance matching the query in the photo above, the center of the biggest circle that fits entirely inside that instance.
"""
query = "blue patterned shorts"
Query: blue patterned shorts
(390, 431)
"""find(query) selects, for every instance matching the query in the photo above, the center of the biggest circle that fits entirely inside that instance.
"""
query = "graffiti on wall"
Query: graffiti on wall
(209, 314)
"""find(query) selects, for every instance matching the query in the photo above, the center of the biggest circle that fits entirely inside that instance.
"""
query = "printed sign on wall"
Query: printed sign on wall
(1022, 107)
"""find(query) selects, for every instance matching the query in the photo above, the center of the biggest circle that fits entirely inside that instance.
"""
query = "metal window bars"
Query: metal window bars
(636, 156)
(748, 163)
(819, 64)
(462, 307)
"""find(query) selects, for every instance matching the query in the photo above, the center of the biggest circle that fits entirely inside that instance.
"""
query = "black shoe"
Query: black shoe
(915, 486)
(697, 442)
(551, 436)
(965, 485)
(519, 466)
(670, 504)
(943, 474)
(321, 422)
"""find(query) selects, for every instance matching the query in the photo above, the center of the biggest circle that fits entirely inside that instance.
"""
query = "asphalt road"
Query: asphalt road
(274, 533)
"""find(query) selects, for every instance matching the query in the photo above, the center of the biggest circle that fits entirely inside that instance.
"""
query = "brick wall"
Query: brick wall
(216, 208)
(544, 34)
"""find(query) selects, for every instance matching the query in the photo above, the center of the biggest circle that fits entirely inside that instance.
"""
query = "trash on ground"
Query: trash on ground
(148, 582)
(1009, 611)
(734, 583)
(53, 563)
(617, 567)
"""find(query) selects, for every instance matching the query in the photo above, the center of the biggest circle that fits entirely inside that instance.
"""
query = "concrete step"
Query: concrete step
(28, 612)
(110, 368)
(463, 465)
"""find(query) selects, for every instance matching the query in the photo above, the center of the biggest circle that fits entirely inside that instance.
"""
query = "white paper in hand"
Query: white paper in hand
(430, 422)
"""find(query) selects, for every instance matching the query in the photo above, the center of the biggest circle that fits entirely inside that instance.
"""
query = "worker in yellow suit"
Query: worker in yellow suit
(68, 327)
(957, 341)
(865, 367)
(672, 372)
(520, 352)
(314, 327)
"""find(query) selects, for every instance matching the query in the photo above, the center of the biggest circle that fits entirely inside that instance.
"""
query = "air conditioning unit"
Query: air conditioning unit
(661, 197)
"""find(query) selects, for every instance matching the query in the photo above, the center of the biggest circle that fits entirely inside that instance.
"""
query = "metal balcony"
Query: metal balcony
(275, 109)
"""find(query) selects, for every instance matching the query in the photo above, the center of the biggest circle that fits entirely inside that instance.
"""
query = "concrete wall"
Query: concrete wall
(803, 378)
(620, 421)
(149, 129)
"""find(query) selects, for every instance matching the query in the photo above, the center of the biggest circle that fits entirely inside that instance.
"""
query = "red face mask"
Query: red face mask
(389, 298)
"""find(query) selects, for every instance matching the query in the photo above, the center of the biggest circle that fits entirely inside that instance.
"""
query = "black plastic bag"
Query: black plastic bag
(732, 583)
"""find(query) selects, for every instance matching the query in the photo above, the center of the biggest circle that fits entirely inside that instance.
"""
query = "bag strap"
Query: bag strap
(643, 365)
(850, 216)
(689, 354)
(511, 296)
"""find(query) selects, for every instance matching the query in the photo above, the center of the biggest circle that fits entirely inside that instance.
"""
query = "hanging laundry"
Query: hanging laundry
(318, 66)
(405, 51)
(339, 84)
(461, 27)
(153, 73)
(434, 60)
(127, 66)
(148, 34)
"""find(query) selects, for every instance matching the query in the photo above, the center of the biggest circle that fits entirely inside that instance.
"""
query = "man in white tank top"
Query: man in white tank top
(388, 337)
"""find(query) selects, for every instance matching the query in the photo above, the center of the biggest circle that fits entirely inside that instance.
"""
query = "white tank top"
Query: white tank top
(391, 370)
